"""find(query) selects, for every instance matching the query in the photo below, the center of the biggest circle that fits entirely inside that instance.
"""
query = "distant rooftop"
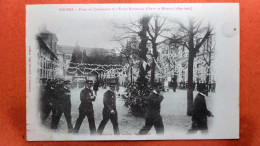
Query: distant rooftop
(69, 49)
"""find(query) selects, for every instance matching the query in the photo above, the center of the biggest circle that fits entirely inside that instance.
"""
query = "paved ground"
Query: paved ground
(173, 111)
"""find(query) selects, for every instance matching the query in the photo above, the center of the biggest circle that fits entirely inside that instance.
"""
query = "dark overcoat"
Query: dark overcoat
(200, 113)
(95, 86)
(86, 101)
(109, 101)
(154, 104)
(66, 101)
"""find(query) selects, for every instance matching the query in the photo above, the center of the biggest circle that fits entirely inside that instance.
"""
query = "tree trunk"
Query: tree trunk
(208, 77)
(190, 83)
(208, 71)
(152, 73)
(131, 72)
(155, 54)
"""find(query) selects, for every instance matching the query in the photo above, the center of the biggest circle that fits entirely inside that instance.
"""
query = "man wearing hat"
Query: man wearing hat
(56, 98)
(95, 87)
(45, 107)
(48, 99)
(86, 109)
(109, 110)
(63, 105)
(153, 117)
(66, 104)
(200, 111)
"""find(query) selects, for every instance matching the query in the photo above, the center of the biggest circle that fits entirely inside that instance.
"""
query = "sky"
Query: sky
(97, 29)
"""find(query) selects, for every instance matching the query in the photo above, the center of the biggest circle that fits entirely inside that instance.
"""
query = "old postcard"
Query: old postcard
(132, 71)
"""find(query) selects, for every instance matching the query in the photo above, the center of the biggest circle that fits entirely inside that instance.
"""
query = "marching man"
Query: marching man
(200, 111)
(86, 109)
(153, 117)
(109, 110)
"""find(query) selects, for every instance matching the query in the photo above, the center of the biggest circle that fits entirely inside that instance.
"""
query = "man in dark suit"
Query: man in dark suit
(86, 109)
(174, 85)
(66, 104)
(200, 111)
(48, 98)
(109, 110)
(153, 117)
(95, 87)
(45, 107)
(62, 105)
(55, 99)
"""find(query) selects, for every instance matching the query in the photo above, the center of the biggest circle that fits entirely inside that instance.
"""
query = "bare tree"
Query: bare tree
(129, 53)
(129, 50)
(149, 28)
(127, 39)
(156, 28)
(192, 37)
(208, 49)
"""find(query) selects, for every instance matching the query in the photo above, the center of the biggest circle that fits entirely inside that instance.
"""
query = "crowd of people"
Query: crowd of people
(55, 98)
(211, 87)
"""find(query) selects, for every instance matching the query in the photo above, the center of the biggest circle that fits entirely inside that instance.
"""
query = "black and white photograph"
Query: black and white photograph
(132, 71)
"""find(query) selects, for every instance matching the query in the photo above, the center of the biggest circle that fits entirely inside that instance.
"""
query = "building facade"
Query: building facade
(173, 63)
(47, 54)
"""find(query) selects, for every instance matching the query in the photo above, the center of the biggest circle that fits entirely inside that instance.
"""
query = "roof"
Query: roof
(65, 49)
(47, 48)
(69, 49)
(45, 31)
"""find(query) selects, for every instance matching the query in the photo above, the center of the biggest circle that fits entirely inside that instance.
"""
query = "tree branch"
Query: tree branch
(206, 36)
(150, 34)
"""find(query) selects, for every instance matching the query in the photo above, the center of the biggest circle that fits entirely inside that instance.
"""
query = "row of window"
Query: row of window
(46, 68)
